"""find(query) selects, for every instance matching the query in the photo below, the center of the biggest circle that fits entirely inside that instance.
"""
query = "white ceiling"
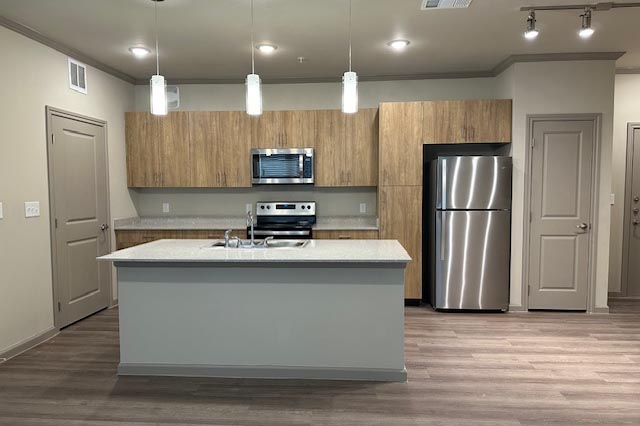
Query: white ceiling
(209, 39)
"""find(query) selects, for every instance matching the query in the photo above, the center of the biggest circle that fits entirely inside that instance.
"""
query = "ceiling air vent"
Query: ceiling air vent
(77, 76)
(445, 4)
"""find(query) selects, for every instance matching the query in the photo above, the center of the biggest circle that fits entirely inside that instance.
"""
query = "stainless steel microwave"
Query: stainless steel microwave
(282, 166)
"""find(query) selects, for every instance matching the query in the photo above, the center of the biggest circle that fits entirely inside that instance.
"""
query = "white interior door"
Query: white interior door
(78, 168)
(633, 226)
(561, 180)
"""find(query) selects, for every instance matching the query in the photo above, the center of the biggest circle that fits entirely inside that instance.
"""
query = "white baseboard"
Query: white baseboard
(25, 345)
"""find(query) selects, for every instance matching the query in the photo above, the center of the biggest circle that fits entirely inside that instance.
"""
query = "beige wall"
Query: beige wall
(560, 88)
(34, 76)
(627, 110)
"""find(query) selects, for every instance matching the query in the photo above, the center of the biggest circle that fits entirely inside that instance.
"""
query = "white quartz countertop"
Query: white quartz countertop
(316, 251)
(328, 223)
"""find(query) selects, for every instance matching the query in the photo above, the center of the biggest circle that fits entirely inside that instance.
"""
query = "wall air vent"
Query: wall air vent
(77, 76)
(445, 4)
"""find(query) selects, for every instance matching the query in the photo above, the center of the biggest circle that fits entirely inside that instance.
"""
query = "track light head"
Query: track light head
(531, 32)
(585, 29)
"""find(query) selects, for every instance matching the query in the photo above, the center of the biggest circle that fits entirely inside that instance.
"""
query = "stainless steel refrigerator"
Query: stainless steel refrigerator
(471, 247)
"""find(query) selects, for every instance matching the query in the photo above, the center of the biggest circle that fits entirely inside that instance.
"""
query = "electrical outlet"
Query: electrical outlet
(248, 208)
(1, 212)
(31, 208)
(165, 208)
(363, 208)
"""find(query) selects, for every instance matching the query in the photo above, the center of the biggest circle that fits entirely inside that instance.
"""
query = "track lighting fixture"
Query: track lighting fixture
(531, 32)
(585, 29)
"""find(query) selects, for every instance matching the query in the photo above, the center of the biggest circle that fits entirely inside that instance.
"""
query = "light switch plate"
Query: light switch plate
(165, 208)
(31, 208)
(363, 208)
(1, 212)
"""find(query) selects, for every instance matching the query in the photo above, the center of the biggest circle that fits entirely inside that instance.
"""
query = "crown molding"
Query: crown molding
(495, 71)
(628, 71)
(41, 38)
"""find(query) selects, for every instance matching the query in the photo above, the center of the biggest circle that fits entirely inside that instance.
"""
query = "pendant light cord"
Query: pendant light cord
(157, 51)
(349, 35)
(253, 62)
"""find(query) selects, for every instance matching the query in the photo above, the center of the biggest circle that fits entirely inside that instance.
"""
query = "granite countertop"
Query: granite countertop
(316, 251)
(330, 223)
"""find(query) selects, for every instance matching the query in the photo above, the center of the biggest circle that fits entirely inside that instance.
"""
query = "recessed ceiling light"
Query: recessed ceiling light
(266, 48)
(398, 44)
(139, 51)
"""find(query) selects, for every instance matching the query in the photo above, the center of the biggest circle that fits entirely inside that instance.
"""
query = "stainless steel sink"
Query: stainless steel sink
(287, 243)
(261, 244)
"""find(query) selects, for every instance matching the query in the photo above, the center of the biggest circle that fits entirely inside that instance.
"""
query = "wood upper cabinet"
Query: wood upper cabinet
(158, 149)
(175, 150)
(467, 121)
(400, 143)
(346, 148)
(143, 150)
(401, 219)
(283, 129)
(221, 142)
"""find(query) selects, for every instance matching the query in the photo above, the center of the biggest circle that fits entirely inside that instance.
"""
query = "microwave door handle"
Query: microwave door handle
(301, 166)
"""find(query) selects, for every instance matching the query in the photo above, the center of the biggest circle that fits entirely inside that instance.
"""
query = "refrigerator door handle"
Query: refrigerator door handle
(443, 235)
(443, 194)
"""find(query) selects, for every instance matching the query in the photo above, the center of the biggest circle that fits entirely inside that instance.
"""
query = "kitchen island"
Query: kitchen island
(328, 310)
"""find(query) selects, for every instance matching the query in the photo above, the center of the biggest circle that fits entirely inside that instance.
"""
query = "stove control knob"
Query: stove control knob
(262, 207)
(302, 207)
(309, 207)
(269, 207)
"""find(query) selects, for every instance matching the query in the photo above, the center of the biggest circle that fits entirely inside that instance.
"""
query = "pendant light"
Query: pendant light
(158, 85)
(350, 82)
(254, 89)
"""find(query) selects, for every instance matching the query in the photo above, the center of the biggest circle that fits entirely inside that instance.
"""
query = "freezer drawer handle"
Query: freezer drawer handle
(443, 236)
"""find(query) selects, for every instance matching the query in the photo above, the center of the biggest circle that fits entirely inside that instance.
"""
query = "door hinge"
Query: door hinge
(56, 222)
(529, 290)
(53, 138)
(530, 217)
(58, 306)
(533, 143)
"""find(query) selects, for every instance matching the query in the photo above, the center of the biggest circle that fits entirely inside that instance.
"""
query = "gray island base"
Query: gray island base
(331, 310)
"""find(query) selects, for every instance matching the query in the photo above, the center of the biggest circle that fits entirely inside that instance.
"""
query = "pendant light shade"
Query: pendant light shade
(158, 85)
(254, 95)
(349, 82)
(158, 95)
(350, 92)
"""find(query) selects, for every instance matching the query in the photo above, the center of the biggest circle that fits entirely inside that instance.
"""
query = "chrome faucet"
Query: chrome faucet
(227, 235)
(250, 223)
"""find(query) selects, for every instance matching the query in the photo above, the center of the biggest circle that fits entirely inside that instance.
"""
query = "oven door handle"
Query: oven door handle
(278, 233)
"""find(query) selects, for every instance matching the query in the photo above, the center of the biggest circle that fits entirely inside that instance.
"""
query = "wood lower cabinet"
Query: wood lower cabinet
(130, 238)
(400, 213)
(283, 129)
(400, 143)
(346, 148)
(221, 143)
(345, 235)
(467, 121)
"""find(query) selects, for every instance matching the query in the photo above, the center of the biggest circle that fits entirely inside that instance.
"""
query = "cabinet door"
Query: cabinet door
(330, 151)
(143, 150)
(221, 146)
(400, 143)
(444, 122)
(488, 120)
(401, 219)
(175, 149)
(362, 148)
(283, 129)
(345, 235)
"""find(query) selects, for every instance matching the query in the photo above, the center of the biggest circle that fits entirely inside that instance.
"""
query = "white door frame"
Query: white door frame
(626, 227)
(595, 185)
(57, 112)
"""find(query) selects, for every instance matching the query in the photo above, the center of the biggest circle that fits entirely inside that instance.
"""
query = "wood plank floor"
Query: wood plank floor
(464, 369)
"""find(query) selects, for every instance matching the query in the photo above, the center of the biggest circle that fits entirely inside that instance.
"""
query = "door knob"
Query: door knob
(104, 227)
(583, 226)
(636, 222)
(636, 198)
